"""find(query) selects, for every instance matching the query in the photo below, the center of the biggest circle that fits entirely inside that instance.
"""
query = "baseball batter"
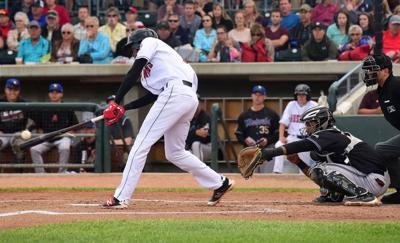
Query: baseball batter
(172, 84)
(291, 120)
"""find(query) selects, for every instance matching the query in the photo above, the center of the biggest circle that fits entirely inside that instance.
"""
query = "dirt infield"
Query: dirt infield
(20, 209)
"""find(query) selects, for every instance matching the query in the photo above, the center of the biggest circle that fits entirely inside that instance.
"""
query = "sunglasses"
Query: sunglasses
(66, 32)
(112, 15)
(255, 34)
(353, 34)
(206, 20)
(173, 20)
(89, 26)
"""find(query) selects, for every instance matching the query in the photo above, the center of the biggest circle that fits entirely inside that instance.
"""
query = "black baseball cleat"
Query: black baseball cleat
(392, 198)
(227, 185)
(367, 199)
(114, 203)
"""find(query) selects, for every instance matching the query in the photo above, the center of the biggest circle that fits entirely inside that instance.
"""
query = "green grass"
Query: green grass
(206, 231)
(177, 189)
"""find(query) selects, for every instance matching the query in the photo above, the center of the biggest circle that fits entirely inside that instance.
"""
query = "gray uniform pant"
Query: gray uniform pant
(63, 146)
(201, 150)
(374, 183)
(390, 150)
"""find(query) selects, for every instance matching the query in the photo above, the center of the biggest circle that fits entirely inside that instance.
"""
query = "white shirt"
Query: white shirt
(164, 65)
(292, 114)
(79, 31)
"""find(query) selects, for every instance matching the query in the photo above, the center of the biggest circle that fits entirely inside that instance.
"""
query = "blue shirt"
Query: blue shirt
(99, 49)
(336, 35)
(290, 21)
(33, 53)
(204, 42)
(42, 20)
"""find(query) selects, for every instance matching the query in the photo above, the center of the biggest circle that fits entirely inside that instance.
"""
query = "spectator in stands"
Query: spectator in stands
(5, 23)
(370, 104)
(170, 7)
(258, 124)
(12, 122)
(79, 28)
(240, 33)
(95, 47)
(205, 37)
(52, 31)
(190, 21)
(289, 19)
(259, 48)
(26, 6)
(220, 51)
(19, 33)
(301, 33)
(391, 39)
(131, 17)
(122, 49)
(166, 35)
(291, 120)
(358, 47)
(220, 17)
(319, 47)
(63, 14)
(252, 15)
(324, 12)
(177, 30)
(33, 49)
(51, 121)
(358, 6)
(7, 56)
(338, 31)
(198, 140)
(37, 13)
(114, 30)
(66, 49)
(203, 7)
(278, 34)
(122, 131)
(365, 21)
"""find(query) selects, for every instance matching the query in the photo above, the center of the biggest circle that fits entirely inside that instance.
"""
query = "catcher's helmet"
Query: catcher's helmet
(319, 114)
(137, 36)
(302, 89)
(371, 66)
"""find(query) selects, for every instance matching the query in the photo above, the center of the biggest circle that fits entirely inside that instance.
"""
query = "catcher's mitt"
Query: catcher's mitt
(248, 160)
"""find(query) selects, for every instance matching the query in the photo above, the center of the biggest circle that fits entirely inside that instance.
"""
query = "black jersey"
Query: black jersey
(258, 124)
(339, 147)
(202, 119)
(389, 100)
(13, 121)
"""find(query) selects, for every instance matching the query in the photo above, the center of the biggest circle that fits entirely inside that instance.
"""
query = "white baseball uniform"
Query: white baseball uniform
(291, 119)
(175, 83)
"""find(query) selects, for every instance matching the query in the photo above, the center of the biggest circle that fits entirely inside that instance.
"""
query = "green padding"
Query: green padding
(371, 129)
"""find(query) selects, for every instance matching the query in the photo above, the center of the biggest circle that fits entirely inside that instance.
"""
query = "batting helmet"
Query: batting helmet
(137, 36)
(371, 66)
(302, 89)
(319, 114)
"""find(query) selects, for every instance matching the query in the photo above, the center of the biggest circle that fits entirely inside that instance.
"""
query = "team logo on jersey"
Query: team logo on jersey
(146, 70)
(295, 118)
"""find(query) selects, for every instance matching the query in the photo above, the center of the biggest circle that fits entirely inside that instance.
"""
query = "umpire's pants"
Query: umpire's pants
(390, 150)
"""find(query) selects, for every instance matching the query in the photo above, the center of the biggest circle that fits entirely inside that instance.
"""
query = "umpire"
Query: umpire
(378, 70)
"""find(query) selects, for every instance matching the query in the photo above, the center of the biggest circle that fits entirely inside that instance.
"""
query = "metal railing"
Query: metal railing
(103, 154)
(342, 88)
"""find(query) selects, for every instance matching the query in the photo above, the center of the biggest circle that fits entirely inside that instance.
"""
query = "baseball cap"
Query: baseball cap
(4, 12)
(52, 14)
(33, 23)
(38, 3)
(110, 98)
(383, 61)
(318, 25)
(56, 87)
(259, 89)
(12, 83)
(163, 25)
(395, 19)
(305, 7)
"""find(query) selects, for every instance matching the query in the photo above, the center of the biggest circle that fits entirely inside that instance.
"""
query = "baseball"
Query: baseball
(25, 135)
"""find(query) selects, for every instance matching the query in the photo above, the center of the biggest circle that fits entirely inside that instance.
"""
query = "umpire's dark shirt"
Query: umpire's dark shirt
(51, 121)
(389, 100)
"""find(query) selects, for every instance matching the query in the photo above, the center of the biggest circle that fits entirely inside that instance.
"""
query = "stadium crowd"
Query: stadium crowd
(68, 31)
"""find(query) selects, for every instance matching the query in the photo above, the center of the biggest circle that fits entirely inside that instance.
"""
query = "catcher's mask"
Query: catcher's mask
(371, 66)
(316, 119)
(137, 36)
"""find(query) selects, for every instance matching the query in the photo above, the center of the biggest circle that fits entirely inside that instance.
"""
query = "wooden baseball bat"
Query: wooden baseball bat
(45, 137)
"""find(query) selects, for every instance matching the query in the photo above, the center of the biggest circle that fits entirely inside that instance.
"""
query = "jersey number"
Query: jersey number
(263, 129)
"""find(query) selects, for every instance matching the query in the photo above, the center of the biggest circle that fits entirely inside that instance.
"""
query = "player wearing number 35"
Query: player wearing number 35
(258, 124)
(171, 84)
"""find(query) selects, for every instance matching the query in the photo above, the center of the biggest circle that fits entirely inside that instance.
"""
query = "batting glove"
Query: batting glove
(113, 113)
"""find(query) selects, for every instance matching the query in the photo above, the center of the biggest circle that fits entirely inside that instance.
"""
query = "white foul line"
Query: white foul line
(41, 212)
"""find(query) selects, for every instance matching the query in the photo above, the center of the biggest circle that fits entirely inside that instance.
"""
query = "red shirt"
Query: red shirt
(370, 100)
(63, 14)
(4, 30)
(277, 35)
(390, 43)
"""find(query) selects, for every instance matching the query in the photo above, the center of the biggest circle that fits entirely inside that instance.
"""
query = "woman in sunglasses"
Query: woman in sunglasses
(205, 37)
(66, 49)
(358, 46)
(259, 49)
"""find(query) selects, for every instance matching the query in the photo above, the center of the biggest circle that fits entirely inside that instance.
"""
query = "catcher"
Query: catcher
(346, 165)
